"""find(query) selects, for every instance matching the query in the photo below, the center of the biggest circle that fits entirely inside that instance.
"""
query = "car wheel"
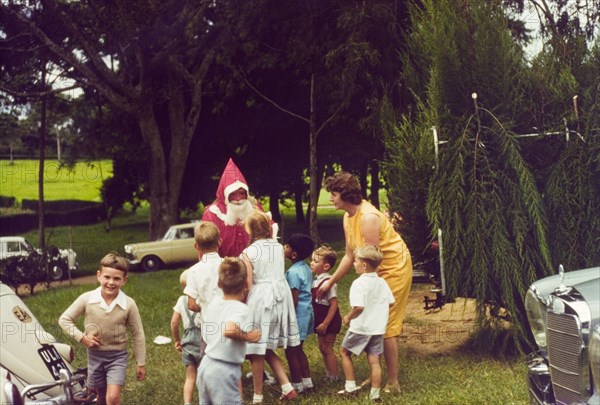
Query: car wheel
(150, 263)
(56, 270)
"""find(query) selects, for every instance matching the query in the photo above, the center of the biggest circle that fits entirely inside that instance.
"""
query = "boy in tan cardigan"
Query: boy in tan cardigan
(108, 315)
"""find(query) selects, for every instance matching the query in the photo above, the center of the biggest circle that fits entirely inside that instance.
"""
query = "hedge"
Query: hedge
(72, 212)
(7, 202)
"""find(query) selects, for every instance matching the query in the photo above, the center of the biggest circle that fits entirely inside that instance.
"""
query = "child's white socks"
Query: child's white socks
(307, 383)
(350, 386)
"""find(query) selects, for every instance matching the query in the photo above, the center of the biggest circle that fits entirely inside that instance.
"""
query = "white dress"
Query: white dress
(270, 298)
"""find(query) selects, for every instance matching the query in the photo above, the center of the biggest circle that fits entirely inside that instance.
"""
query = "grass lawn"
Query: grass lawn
(460, 377)
(83, 182)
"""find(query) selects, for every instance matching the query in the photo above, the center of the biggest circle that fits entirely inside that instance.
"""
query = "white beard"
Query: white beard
(237, 212)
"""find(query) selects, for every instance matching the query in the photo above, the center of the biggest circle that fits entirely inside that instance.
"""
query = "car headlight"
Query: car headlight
(129, 249)
(594, 357)
(535, 307)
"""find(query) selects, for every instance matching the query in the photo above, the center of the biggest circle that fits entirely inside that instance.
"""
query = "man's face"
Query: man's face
(237, 196)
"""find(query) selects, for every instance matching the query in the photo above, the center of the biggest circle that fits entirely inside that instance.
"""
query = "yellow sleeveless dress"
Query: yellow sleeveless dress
(396, 268)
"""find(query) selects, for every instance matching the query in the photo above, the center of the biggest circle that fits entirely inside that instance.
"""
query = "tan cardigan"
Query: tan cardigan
(111, 328)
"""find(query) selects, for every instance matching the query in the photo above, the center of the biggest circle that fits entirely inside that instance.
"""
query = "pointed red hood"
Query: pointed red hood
(231, 180)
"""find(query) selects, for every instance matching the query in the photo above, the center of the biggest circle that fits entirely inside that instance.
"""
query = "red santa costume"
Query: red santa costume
(229, 216)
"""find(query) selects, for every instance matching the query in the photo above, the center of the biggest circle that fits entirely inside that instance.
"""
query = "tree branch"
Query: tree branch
(37, 94)
(270, 101)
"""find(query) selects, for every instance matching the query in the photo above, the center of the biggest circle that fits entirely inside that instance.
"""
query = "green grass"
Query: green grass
(457, 378)
(82, 182)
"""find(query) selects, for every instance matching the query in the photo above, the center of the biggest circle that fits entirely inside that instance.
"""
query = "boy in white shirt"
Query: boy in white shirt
(370, 300)
(201, 286)
(226, 329)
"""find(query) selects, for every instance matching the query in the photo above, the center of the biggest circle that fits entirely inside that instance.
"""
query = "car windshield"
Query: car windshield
(27, 245)
(171, 234)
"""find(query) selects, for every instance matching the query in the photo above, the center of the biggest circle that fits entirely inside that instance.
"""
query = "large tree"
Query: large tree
(144, 57)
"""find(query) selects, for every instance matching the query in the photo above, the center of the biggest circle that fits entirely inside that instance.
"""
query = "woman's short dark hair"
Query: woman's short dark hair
(347, 185)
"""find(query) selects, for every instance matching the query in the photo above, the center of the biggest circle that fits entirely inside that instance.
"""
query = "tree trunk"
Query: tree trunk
(160, 219)
(274, 206)
(313, 194)
(375, 183)
(41, 208)
(298, 205)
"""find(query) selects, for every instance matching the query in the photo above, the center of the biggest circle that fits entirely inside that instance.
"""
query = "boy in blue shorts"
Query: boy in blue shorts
(226, 329)
(299, 277)
(370, 300)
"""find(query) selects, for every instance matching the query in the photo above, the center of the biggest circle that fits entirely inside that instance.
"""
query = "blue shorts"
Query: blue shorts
(217, 382)
(106, 367)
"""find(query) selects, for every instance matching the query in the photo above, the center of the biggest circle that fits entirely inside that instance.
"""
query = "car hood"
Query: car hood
(22, 336)
(586, 281)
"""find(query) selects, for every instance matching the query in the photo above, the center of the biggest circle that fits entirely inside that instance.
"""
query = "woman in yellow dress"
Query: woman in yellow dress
(365, 224)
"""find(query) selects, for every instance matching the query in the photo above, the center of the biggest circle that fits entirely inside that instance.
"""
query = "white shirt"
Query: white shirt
(120, 300)
(371, 292)
(181, 307)
(203, 278)
(216, 315)
(332, 293)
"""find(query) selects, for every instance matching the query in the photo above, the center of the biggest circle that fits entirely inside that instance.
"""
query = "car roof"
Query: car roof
(188, 225)
(11, 238)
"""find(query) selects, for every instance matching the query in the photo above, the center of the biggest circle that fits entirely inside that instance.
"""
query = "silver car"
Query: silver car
(32, 362)
(564, 317)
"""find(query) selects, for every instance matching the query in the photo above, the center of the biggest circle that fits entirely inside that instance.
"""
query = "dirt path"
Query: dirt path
(23, 289)
(436, 331)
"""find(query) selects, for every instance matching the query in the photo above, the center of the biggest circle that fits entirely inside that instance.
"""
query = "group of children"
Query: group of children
(244, 308)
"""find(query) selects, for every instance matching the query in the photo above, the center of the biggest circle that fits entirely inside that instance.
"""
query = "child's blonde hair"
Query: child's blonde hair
(326, 253)
(183, 278)
(207, 236)
(258, 225)
(369, 254)
(232, 275)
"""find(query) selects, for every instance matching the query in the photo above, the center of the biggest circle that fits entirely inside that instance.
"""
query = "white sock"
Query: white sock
(374, 393)
(286, 388)
(299, 387)
(307, 382)
(350, 386)
(257, 399)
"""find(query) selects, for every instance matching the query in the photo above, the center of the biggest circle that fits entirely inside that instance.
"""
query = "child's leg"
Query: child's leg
(347, 366)
(258, 366)
(113, 394)
(375, 367)
(189, 384)
(292, 356)
(101, 392)
(326, 343)
(303, 362)
(277, 367)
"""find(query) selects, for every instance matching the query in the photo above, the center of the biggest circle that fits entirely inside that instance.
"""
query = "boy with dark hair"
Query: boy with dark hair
(299, 277)
(108, 315)
(226, 329)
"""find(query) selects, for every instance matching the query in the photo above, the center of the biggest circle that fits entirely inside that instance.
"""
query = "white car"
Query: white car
(32, 362)
(59, 260)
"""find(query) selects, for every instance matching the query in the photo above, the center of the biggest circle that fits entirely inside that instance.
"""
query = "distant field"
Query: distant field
(82, 182)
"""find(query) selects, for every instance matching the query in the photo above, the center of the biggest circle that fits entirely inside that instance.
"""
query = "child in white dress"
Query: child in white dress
(271, 305)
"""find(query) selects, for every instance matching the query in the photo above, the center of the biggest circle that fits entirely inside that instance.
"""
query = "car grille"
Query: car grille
(565, 346)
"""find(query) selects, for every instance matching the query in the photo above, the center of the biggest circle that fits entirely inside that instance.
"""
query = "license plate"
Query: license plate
(52, 360)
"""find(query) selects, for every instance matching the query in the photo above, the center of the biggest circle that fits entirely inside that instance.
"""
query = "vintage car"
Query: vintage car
(16, 252)
(32, 362)
(564, 316)
(177, 246)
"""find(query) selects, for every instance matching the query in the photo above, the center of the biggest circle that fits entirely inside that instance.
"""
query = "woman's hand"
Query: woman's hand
(324, 289)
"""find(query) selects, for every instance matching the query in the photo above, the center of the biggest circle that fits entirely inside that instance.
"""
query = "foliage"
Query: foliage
(410, 159)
